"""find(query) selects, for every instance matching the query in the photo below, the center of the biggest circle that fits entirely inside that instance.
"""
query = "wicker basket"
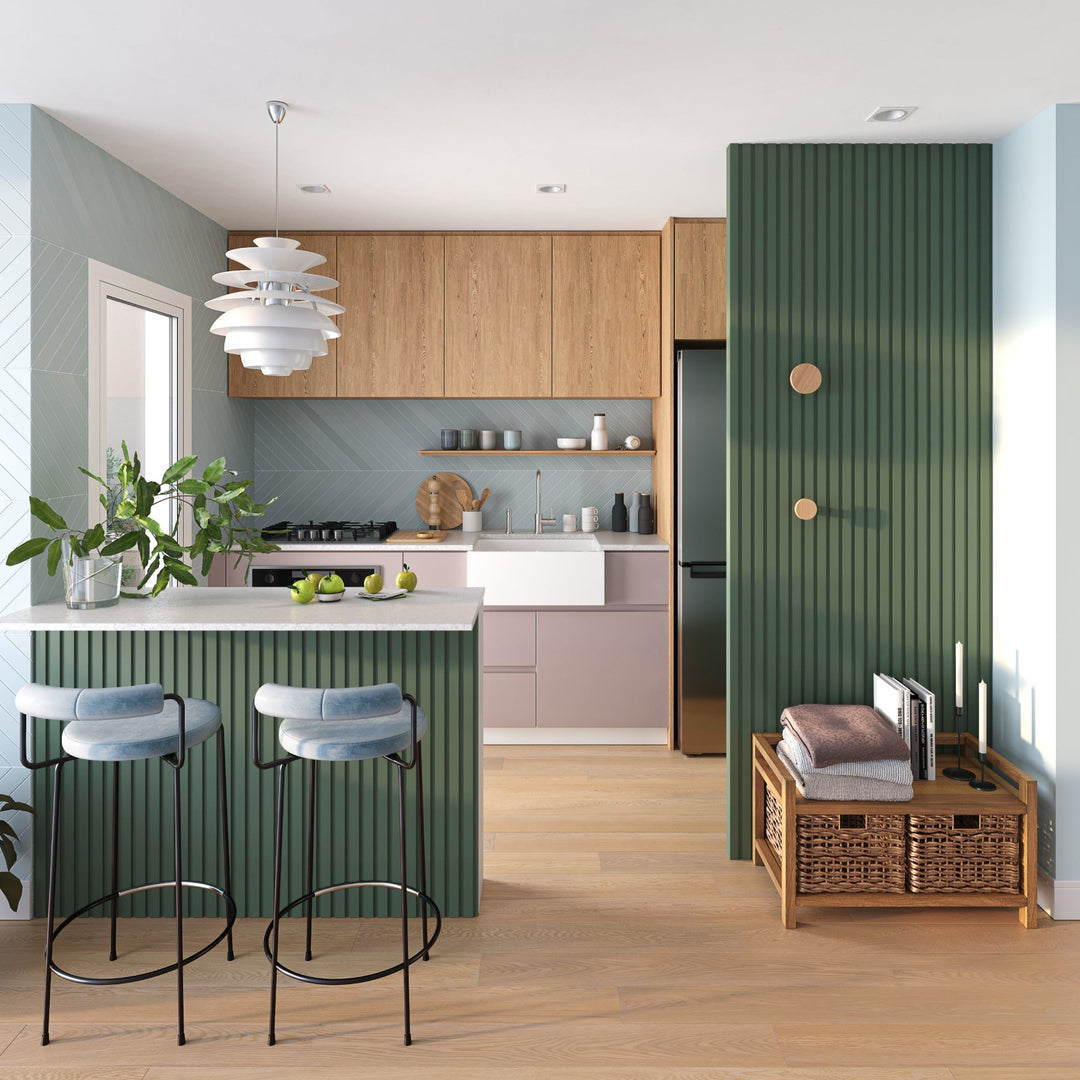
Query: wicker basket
(843, 853)
(958, 853)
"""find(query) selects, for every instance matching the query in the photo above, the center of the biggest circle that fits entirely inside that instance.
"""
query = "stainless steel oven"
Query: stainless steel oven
(266, 577)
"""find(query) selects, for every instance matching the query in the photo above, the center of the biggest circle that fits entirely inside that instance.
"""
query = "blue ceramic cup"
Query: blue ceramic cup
(449, 438)
(511, 440)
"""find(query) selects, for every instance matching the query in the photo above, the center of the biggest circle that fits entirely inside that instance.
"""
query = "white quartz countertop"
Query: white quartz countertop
(457, 540)
(259, 609)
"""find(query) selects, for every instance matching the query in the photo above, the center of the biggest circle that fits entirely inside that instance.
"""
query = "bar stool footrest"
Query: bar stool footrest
(86, 980)
(431, 907)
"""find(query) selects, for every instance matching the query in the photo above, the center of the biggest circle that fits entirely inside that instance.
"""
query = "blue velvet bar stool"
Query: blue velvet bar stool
(346, 724)
(114, 725)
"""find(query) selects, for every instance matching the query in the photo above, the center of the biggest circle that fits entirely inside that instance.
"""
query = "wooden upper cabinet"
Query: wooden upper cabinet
(320, 380)
(606, 315)
(701, 280)
(391, 342)
(498, 315)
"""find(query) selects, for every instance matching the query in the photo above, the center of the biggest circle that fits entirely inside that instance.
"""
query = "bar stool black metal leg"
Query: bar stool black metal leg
(403, 860)
(421, 844)
(309, 884)
(115, 857)
(226, 850)
(278, 829)
(54, 838)
(179, 901)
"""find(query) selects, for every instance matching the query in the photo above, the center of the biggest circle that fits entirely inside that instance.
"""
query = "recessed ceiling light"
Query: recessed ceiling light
(314, 189)
(551, 189)
(892, 113)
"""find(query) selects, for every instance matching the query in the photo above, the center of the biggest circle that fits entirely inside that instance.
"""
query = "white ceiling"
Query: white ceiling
(427, 114)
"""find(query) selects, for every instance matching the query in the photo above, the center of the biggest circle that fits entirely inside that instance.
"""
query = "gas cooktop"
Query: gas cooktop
(328, 532)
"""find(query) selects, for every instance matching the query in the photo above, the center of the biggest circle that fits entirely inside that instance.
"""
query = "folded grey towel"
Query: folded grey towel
(836, 733)
(818, 785)
(896, 772)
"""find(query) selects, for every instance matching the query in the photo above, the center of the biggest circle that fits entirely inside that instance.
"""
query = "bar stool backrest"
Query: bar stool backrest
(340, 703)
(106, 703)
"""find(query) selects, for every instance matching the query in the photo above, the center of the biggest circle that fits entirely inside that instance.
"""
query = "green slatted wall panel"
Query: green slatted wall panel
(874, 263)
(356, 802)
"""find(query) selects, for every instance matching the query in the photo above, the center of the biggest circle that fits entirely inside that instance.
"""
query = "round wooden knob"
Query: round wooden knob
(805, 378)
(805, 509)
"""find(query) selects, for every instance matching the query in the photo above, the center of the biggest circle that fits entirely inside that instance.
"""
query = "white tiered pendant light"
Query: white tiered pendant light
(273, 321)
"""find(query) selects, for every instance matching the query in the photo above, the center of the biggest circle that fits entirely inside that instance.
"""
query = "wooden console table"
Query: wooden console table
(1015, 794)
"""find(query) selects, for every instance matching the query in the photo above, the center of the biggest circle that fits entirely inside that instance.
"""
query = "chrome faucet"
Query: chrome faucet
(509, 522)
(541, 521)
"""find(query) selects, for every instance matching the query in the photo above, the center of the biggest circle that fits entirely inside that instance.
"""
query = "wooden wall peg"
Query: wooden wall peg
(805, 378)
(805, 509)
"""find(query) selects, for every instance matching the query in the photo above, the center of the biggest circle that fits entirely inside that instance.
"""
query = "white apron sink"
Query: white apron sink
(526, 570)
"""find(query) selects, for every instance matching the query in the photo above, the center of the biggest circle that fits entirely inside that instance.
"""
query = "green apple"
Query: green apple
(303, 592)
(406, 579)
(332, 583)
(373, 583)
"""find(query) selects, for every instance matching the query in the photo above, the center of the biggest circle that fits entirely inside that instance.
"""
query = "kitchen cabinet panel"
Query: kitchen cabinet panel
(433, 569)
(601, 668)
(509, 639)
(636, 577)
(509, 699)
(498, 315)
(392, 330)
(701, 280)
(606, 315)
(320, 380)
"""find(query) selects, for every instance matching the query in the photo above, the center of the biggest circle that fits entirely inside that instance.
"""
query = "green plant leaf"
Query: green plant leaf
(181, 572)
(94, 537)
(93, 476)
(214, 471)
(161, 581)
(143, 542)
(227, 494)
(7, 849)
(56, 549)
(28, 550)
(193, 487)
(133, 595)
(12, 889)
(44, 512)
(8, 802)
(124, 542)
(179, 468)
(170, 546)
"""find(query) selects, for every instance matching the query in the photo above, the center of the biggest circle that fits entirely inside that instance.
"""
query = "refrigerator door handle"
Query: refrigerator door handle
(706, 569)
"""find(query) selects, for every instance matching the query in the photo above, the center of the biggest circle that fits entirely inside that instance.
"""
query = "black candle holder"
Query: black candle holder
(955, 772)
(982, 784)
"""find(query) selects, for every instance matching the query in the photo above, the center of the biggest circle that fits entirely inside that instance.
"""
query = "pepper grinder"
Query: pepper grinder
(434, 517)
(645, 514)
(618, 514)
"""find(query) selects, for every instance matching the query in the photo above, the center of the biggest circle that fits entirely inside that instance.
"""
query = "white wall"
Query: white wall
(1036, 444)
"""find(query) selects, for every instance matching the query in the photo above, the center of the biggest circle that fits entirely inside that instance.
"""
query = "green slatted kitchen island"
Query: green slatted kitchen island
(222, 644)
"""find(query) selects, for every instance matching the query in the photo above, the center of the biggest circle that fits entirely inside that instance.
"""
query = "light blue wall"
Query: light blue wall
(88, 205)
(15, 257)
(347, 460)
(1036, 445)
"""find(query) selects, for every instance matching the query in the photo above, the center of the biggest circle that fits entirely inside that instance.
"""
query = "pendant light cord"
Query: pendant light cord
(277, 134)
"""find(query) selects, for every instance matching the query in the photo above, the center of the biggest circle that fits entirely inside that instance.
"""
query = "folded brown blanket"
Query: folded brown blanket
(835, 733)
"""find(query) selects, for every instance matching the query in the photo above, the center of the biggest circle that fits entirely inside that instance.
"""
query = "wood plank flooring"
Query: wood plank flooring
(615, 942)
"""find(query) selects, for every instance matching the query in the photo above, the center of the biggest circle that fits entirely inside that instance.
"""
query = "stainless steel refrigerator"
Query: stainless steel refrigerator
(701, 551)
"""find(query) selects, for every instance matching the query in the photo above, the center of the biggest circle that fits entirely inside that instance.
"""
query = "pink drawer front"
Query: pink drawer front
(509, 699)
(636, 577)
(509, 639)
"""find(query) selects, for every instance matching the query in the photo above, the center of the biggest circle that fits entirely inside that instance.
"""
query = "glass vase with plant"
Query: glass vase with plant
(220, 506)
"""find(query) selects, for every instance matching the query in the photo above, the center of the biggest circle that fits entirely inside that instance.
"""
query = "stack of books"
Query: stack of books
(910, 706)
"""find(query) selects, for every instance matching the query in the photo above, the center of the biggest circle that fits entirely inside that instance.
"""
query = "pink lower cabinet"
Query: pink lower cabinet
(601, 668)
(510, 699)
(433, 569)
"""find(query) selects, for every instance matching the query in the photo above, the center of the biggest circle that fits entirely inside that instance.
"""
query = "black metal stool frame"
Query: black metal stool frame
(176, 762)
(271, 937)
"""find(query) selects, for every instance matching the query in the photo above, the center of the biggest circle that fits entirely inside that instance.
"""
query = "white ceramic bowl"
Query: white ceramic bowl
(329, 597)
(570, 444)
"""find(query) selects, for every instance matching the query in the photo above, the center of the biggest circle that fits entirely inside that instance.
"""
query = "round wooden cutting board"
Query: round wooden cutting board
(450, 484)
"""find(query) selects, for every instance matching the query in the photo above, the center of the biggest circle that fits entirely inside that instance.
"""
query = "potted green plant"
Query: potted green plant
(10, 885)
(220, 506)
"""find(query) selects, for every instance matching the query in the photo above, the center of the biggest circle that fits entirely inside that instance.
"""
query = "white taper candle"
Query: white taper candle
(959, 674)
(982, 717)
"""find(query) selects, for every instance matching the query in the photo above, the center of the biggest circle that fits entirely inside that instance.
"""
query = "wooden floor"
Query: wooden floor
(615, 941)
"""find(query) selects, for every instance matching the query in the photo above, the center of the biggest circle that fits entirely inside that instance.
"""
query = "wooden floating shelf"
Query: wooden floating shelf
(537, 453)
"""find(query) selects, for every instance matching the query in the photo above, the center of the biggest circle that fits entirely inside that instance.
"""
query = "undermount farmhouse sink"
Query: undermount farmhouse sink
(526, 570)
